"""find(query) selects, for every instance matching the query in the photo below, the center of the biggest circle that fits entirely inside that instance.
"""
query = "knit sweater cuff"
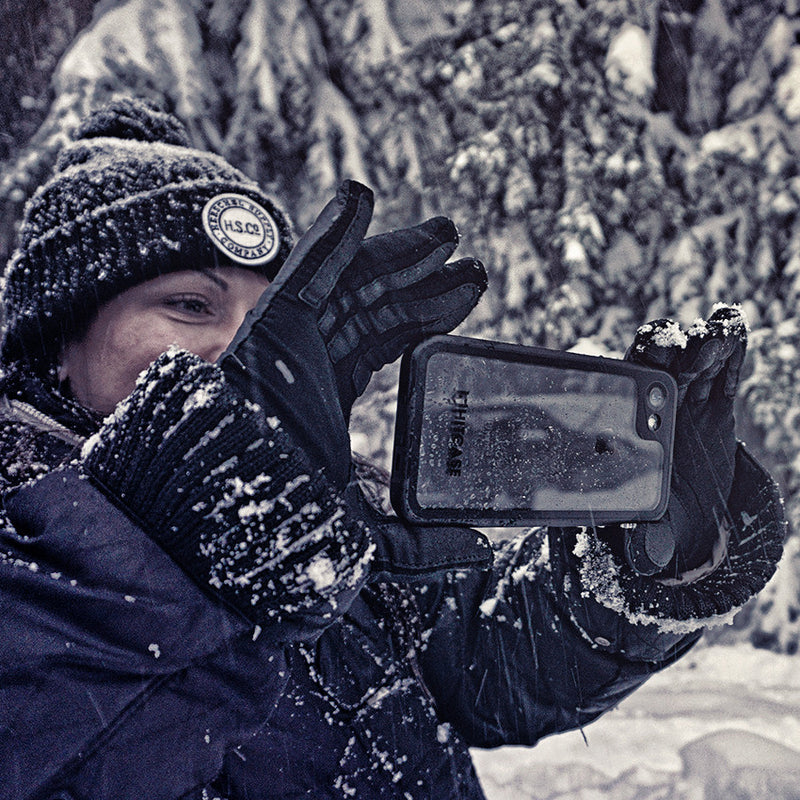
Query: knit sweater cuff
(224, 491)
(754, 547)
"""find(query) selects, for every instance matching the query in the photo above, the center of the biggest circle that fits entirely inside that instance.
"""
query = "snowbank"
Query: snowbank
(724, 722)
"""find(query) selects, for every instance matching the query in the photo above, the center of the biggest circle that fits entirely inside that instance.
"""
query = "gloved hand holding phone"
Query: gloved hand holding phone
(706, 362)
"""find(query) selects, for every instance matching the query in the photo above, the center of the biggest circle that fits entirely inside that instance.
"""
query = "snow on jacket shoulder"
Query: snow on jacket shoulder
(141, 639)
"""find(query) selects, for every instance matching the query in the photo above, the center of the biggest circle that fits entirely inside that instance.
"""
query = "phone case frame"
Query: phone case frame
(406, 453)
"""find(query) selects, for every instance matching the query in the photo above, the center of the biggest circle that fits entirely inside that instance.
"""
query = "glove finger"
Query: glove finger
(385, 264)
(399, 258)
(649, 547)
(699, 365)
(427, 315)
(652, 546)
(657, 344)
(714, 355)
(371, 340)
(317, 260)
(731, 322)
(733, 369)
(730, 319)
(445, 298)
(435, 304)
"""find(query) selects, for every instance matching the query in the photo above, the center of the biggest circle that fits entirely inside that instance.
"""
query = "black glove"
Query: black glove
(705, 362)
(340, 308)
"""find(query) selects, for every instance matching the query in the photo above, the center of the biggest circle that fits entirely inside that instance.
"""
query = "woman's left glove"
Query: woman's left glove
(722, 535)
(229, 496)
(340, 308)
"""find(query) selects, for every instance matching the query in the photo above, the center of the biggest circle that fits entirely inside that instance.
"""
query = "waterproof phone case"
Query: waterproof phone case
(494, 434)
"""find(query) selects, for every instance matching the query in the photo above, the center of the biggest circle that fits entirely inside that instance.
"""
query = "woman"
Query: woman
(198, 598)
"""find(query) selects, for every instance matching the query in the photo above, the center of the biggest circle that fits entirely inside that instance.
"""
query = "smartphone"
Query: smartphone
(495, 434)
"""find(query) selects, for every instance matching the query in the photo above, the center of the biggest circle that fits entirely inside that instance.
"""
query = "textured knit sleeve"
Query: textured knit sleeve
(746, 557)
(225, 492)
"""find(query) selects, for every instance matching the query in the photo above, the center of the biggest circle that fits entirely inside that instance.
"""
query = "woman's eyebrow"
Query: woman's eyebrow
(221, 282)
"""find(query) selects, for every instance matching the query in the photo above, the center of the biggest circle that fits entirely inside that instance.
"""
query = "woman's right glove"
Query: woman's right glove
(237, 469)
(339, 309)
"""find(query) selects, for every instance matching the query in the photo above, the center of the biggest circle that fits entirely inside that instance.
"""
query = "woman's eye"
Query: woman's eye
(189, 304)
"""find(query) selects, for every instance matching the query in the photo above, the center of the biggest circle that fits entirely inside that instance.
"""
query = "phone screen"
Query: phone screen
(560, 439)
(512, 435)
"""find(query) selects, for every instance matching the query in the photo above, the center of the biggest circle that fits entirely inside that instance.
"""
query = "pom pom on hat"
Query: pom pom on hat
(134, 119)
(129, 200)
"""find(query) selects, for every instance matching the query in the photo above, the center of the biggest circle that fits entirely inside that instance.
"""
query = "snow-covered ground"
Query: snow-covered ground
(723, 724)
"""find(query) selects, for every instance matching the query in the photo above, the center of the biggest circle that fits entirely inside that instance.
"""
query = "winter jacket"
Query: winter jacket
(188, 615)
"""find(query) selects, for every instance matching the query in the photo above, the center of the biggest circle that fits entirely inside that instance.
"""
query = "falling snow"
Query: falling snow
(593, 212)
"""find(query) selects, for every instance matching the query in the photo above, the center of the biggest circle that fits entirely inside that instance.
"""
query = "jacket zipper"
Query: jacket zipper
(24, 412)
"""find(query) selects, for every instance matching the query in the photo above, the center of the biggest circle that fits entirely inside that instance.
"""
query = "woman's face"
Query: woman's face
(197, 310)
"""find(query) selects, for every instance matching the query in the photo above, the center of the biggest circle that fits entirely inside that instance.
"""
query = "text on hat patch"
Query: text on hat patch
(241, 228)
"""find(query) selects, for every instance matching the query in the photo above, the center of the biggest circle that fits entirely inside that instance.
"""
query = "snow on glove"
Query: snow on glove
(340, 308)
(230, 497)
(722, 536)
(592, 567)
(705, 362)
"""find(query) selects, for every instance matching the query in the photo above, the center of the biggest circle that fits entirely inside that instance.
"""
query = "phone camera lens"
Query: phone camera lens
(654, 422)
(656, 396)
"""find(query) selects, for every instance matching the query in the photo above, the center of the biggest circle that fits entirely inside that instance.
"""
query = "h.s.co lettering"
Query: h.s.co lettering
(241, 228)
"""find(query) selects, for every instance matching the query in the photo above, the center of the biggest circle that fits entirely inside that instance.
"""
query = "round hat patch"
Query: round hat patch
(241, 228)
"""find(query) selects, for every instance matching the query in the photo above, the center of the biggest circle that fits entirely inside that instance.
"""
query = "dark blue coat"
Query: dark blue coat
(121, 677)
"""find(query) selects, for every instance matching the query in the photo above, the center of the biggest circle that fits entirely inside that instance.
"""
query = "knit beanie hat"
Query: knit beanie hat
(129, 200)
